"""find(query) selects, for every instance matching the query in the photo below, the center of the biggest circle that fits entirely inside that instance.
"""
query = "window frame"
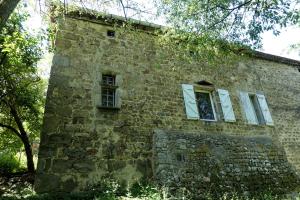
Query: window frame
(260, 120)
(113, 87)
(198, 90)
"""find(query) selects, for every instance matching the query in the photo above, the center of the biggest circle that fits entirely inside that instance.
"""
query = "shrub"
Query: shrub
(8, 163)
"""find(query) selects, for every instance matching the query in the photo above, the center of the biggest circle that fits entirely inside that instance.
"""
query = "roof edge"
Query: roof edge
(109, 19)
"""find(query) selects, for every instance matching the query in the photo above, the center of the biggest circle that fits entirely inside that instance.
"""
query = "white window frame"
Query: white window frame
(211, 101)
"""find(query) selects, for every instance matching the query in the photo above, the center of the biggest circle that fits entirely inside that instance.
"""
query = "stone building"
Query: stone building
(120, 106)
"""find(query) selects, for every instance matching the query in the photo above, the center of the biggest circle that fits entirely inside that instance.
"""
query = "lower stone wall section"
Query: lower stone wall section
(218, 163)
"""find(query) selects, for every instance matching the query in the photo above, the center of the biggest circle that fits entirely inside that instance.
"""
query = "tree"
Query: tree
(21, 89)
(237, 21)
(6, 8)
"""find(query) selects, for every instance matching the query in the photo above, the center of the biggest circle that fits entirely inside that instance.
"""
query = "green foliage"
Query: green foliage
(110, 190)
(237, 21)
(8, 163)
(144, 189)
(21, 89)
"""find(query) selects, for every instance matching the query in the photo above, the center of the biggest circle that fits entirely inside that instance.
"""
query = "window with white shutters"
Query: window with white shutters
(256, 108)
(198, 103)
(226, 105)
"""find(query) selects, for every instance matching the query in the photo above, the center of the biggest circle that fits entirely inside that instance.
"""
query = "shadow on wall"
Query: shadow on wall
(218, 163)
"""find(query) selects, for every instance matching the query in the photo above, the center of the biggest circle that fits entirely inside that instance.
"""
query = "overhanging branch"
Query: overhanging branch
(11, 128)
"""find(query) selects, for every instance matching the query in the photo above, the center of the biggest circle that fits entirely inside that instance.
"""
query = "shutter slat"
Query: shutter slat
(226, 105)
(248, 108)
(265, 109)
(190, 101)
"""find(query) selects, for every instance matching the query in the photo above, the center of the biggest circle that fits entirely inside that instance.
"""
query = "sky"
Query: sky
(277, 45)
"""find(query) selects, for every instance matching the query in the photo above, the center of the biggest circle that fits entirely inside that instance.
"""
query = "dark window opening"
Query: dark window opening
(205, 107)
(108, 91)
(180, 157)
(205, 83)
(111, 33)
(257, 110)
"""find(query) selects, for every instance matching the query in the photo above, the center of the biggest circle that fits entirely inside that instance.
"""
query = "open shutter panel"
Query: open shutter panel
(118, 98)
(226, 105)
(248, 108)
(190, 101)
(265, 109)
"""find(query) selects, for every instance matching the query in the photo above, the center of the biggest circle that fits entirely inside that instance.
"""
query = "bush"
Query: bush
(8, 163)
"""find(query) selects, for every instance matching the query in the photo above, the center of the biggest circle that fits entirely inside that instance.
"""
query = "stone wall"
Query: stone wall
(218, 163)
(81, 144)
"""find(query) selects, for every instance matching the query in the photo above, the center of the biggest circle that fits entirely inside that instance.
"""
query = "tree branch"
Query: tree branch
(229, 13)
(6, 8)
(123, 8)
(11, 128)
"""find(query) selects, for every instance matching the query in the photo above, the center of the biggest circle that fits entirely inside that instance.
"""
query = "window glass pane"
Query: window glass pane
(108, 80)
(205, 106)
(108, 92)
(108, 97)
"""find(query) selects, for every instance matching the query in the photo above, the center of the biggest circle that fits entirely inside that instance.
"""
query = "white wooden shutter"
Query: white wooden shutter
(264, 109)
(226, 105)
(248, 108)
(118, 100)
(190, 101)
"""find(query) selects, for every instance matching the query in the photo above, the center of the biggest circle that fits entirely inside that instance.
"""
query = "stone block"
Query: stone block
(61, 60)
(47, 182)
(84, 166)
(61, 165)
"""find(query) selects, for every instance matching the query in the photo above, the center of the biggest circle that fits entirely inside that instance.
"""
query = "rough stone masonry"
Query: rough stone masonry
(147, 134)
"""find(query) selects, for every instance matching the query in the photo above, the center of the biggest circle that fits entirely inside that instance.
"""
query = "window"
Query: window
(108, 95)
(198, 104)
(256, 108)
(111, 33)
(205, 105)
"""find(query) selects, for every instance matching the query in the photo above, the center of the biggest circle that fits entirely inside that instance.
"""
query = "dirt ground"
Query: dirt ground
(15, 183)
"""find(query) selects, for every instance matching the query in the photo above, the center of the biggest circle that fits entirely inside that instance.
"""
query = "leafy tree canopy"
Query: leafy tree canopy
(21, 89)
(237, 21)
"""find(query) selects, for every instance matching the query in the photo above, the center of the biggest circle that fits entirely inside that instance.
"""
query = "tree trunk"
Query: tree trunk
(24, 137)
(29, 156)
(6, 8)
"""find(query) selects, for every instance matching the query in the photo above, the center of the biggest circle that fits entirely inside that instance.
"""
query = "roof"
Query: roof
(109, 19)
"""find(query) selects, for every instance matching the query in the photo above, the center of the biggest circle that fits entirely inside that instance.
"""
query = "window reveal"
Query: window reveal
(257, 109)
(205, 106)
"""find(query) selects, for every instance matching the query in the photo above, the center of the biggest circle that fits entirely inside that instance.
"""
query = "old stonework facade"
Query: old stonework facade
(120, 106)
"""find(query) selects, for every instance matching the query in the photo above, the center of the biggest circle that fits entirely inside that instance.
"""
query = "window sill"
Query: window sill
(209, 120)
(108, 108)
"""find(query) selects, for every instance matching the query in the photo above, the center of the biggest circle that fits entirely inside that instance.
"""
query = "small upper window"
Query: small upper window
(205, 105)
(111, 33)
